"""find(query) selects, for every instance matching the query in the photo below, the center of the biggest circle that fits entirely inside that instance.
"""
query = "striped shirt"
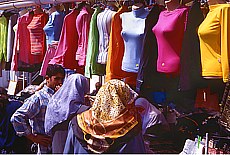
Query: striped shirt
(29, 118)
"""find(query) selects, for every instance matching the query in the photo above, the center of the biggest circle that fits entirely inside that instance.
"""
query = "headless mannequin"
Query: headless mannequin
(214, 2)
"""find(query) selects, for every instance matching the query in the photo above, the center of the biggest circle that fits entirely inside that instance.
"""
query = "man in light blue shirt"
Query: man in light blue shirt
(28, 120)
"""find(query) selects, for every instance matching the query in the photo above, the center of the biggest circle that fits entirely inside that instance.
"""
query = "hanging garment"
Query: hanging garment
(37, 35)
(48, 56)
(104, 27)
(3, 38)
(214, 42)
(190, 63)
(11, 36)
(147, 69)
(169, 38)
(92, 67)
(67, 46)
(116, 50)
(82, 25)
(54, 26)
(133, 25)
(25, 41)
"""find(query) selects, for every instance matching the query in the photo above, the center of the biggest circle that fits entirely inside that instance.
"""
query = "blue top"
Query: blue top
(54, 26)
(33, 110)
(133, 145)
(133, 26)
(7, 133)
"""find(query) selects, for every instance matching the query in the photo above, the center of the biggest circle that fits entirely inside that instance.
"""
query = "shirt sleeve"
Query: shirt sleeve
(225, 37)
(86, 18)
(20, 119)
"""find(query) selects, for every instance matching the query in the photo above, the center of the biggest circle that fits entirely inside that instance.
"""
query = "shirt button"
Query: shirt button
(219, 60)
(163, 64)
(137, 65)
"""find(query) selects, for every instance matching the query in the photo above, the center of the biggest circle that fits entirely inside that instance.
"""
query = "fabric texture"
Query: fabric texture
(67, 46)
(24, 43)
(37, 35)
(151, 115)
(33, 109)
(147, 69)
(111, 114)
(7, 133)
(225, 108)
(130, 143)
(54, 26)
(3, 39)
(92, 67)
(133, 38)
(169, 49)
(214, 38)
(190, 61)
(11, 36)
(82, 25)
(66, 101)
(104, 27)
(48, 56)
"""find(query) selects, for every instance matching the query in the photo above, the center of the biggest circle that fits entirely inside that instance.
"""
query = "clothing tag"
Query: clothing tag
(204, 95)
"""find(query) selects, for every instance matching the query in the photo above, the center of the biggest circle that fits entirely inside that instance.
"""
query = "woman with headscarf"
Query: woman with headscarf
(64, 104)
(111, 125)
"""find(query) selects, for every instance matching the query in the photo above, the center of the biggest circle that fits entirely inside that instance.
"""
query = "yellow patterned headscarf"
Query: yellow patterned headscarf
(111, 114)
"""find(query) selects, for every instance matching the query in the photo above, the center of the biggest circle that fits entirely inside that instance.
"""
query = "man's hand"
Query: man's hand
(43, 140)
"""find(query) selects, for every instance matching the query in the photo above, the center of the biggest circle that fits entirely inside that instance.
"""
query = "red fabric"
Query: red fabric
(67, 46)
(205, 99)
(25, 40)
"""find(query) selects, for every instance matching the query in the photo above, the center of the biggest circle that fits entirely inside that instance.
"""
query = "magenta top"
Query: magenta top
(82, 24)
(169, 32)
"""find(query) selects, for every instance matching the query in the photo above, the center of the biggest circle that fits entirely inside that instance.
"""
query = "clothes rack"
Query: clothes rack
(16, 4)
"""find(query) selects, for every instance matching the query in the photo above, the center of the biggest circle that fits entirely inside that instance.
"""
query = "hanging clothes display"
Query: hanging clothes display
(67, 46)
(169, 38)
(28, 50)
(116, 48)
(54, 26)
(147, 69)
(214, 42)
(3, 39)
(48, 56)
(92, 67)
(11, 36)
(190, 61)
(133, 25)
(104, 27)
(82, 24)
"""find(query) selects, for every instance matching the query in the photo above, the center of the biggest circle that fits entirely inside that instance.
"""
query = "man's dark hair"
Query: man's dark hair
(54, 69)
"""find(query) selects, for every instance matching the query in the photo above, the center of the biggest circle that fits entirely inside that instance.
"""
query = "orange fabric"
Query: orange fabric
(112, 129)
(116, 52)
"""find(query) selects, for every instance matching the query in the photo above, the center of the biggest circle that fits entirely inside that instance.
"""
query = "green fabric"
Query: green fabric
(92, 67)
(3, 38)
